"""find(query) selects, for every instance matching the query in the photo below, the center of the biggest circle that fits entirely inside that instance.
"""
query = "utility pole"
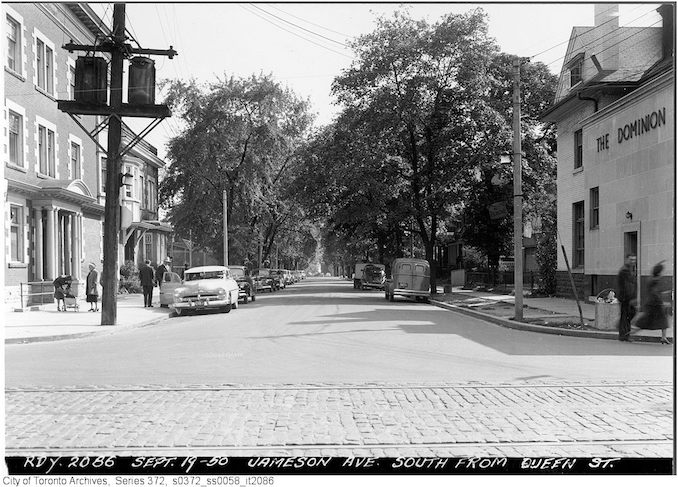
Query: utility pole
(517, 195)
(225, 229)
(109, 309)
(114, 112)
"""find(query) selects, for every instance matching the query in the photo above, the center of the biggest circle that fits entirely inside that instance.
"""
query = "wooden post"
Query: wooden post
(517, 196)
(109, 274)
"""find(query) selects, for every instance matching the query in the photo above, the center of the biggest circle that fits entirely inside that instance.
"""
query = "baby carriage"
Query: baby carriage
(64, 295)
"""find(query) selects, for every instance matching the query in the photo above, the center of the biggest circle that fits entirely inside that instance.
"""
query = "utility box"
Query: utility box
(141, 87)
(91, 80)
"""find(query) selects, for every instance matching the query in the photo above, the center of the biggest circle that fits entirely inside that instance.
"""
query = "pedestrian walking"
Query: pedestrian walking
(147, 277)
(653, 314)
(626, 294)
(183, 272)
(92, 290)
(161, 270)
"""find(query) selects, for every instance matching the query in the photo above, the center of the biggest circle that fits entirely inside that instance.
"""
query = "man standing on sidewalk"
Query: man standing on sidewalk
(626, 287)
(147, 275)
(161, 270)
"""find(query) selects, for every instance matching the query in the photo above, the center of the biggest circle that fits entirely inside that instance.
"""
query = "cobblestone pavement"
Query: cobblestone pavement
(538, 419)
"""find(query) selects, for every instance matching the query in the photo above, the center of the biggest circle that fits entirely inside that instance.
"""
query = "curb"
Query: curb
(110, 330)
(604, 335)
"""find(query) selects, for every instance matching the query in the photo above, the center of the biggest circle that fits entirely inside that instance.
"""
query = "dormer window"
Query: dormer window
(576, 67)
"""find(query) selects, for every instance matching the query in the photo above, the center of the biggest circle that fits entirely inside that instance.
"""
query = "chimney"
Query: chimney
(606, 22)
(666, 11)
(606, 16)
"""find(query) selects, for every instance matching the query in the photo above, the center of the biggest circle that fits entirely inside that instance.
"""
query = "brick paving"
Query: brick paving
(540, 419)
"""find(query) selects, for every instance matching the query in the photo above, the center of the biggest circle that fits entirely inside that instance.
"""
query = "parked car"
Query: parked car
(170, 282)
(374, 276)
(409, 278)
(206, 287)
(248, 290)
(263, 280)
(359, 274)
(278, 277)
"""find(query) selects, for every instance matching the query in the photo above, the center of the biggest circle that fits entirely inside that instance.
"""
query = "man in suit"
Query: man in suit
(146, 275)
(160, 271)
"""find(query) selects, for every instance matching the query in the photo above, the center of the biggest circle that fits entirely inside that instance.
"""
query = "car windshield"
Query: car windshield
(237, 272)
(194, 276)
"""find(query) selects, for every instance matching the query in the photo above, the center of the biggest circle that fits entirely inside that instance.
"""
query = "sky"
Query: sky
(303, 45)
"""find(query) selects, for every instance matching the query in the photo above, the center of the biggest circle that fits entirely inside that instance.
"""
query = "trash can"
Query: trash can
(607, 313)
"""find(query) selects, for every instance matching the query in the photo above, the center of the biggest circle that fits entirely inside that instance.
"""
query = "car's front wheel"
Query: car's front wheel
(253, 297)
(227, 308)
(177, 312)
(245, 299)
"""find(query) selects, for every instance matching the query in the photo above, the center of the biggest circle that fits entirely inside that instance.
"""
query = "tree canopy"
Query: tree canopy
(240, 137)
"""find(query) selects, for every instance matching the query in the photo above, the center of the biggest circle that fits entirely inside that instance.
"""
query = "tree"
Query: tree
(494, 237)
(423, 86)
(240, 137)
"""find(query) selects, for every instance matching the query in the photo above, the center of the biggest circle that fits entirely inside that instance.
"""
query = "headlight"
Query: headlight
(221, 292)
(177, 293)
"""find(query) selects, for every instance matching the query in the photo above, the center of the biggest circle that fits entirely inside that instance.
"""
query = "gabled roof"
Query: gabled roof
(636, 48)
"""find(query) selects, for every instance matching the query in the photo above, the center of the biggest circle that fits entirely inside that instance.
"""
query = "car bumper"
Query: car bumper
(411, 292)
(201, 304)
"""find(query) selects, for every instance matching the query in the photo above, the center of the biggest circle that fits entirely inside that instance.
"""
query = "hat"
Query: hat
(168, 259)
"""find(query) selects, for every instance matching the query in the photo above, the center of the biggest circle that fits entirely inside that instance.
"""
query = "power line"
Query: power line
(309, 22)
(298, 26)
(294, 33)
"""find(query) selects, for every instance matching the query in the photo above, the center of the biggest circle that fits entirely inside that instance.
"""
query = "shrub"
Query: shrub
(130, 285)
(129, 269)
(129, 278)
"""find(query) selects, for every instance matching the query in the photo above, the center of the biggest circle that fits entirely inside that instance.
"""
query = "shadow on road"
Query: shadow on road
(418, 318)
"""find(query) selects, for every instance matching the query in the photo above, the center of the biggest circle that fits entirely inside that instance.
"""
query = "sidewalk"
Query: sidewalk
(552, 315)
(48, 324)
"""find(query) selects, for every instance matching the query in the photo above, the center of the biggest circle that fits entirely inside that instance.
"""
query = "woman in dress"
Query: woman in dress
(653, 316)
(93, 287)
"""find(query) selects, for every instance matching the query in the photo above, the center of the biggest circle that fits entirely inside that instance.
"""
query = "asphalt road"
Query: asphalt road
(324, 331)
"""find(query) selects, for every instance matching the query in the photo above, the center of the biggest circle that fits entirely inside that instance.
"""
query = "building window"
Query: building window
(16, 139)
(576, 73)
(13, 45)
(152, 197)
(148, 246)
(75, 160)
(45, 66)
(142, 191)
(595, 210)
(578, 149)
(71, 83)
(102, 175)
(129, 187)
(578, 234)
(16, 233)
(46, 151)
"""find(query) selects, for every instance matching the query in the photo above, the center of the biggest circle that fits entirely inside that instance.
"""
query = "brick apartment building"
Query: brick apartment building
(53, 173)
(614, 111)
